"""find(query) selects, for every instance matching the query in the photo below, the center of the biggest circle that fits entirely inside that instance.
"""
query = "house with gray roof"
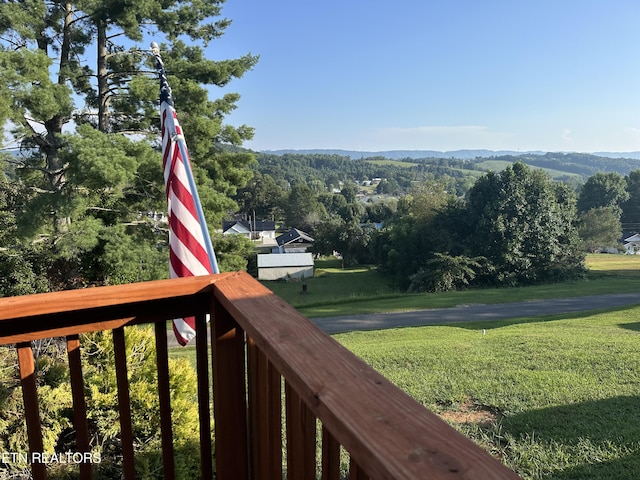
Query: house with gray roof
(293, 241)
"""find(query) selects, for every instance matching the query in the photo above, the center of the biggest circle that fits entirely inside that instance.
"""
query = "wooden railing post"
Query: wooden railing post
(301, 437)
(124, 404)
(265, 415)
(31, 412)
(202, 366)
(229, 396)
(330, 456)
(79, 403)
(356, 472)
(164, 397)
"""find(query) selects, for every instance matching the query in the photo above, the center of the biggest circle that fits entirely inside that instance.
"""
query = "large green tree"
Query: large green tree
(302, 208)
(631, 207)
(417, 230)
(262, 197)
(603, 190)
(524, 224)
(78, 97)
(349, 239)
(599, 229)
(18, 274)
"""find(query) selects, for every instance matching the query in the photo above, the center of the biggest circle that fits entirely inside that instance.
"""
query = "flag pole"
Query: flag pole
(180, 142)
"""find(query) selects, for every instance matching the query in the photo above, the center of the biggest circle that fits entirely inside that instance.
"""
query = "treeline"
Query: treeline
(582, 164)
(440, 224)
(328, 169)
(514, 228)
(332, 170)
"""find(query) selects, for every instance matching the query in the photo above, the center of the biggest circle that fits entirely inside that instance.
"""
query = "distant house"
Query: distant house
(253, 230)
(236, 228)
(156, 217)
(293, 241)
(632, 244)
(274, 266)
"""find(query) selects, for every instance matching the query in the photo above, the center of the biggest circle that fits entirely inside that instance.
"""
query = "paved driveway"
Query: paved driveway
(468, 313)
(465, 313)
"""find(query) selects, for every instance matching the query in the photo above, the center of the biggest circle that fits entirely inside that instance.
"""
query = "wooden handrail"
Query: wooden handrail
(47, 315)
(258, 344)
(389, 434)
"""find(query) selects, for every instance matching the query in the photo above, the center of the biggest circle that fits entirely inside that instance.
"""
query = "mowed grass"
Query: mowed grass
(614, 265)
(499, 165)
(334, 286)
(335, 291)
(553, 397)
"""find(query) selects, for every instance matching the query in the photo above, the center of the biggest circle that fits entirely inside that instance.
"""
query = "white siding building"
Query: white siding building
(275, 266)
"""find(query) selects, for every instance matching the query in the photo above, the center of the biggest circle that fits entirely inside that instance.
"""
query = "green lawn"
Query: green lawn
(499, 165)
(335, 291)
(554, 397)
(395, 163)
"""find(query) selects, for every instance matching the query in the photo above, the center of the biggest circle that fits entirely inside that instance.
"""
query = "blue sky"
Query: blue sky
(552, 75)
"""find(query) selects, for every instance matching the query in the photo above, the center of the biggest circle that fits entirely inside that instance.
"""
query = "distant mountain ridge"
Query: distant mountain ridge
(459, 154)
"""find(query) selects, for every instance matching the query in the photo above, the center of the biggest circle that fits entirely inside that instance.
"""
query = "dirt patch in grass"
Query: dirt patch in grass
(470, 412)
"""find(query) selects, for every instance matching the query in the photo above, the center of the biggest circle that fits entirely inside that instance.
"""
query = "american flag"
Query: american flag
(190, 249)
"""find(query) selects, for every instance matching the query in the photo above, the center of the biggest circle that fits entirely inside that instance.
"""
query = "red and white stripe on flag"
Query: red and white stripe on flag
(187, 252)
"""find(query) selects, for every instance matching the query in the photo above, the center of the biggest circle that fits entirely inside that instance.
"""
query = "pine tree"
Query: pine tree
(79, 101)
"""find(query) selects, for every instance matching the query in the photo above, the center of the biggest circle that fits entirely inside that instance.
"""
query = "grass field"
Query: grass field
(335, 291)
(396, 163)
(555, 397)
(499, 165)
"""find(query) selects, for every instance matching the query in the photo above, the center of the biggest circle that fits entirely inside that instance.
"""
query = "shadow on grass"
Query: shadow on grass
(604, 434)
(498, 323)
(613, 419)
(635, 326)
(625, 468)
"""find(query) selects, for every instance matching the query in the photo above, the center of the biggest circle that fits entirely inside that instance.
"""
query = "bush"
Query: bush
(443, 273)
(102, 404)
(54, 397)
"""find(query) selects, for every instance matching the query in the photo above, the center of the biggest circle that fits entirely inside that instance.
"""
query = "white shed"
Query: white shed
(275, 266)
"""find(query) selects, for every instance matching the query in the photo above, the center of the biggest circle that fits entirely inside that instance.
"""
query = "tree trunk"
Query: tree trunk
(103, 86)
(50, 147)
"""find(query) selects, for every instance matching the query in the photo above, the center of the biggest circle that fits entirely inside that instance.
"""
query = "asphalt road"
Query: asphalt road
(466, 313)
(469, 313)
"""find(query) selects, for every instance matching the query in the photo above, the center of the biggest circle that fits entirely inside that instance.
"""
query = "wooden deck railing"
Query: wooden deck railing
(261, 351)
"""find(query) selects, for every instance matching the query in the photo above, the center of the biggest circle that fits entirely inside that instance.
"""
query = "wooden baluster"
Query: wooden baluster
(79, 403)
(253, 404)
(356, 472)
(265, 414)
(124, 404)
(229, 397)
(202, 366)
(274, 437)
(330, 456)
(164, 397)
(32, 415)
(301, 438)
